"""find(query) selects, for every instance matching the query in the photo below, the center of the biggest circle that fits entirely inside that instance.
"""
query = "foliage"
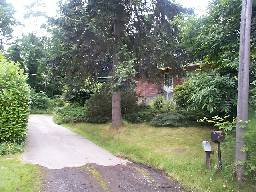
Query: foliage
(97, 108)
(79, 95)
(56, 102)
(10, 148)
(6, 21)
(222, 123)
(170, 119)
(253, 95)
(182, 94)
(32, 53)
(129, 102)
(125, 71)
(70, 113)
(142, 114)
(250, 136)
(161, 105)
(14, 54)
(207, 94)
(14, 99)
(100, 104)
(82, 92)
(39, 102)
(215, 38)
(83, 43)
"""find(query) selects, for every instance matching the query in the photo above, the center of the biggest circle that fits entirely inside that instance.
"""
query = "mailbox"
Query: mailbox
(207, 146)
(208, 150)
(217, 136)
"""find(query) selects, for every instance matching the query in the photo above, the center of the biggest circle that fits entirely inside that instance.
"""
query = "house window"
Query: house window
(168, 86)
(168, 80)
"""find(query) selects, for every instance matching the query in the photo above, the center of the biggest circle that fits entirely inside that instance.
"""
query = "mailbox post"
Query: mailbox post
(218, 137)
(207, 148)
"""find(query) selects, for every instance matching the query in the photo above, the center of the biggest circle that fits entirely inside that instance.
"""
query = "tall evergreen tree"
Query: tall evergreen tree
(116, 38)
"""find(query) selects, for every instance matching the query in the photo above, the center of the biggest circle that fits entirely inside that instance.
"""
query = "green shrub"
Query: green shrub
(182, 94)
(55, 103)
(14, 103)
(171, 119)
(250, 148)
(158, 103)
(161, 105)
(207, 94)
(158, 106)
(99, 106)
(129, 102)
(39, 102)
(143, 114)
(10, 148)
(70, 113)
(74, 95)
(253, 95)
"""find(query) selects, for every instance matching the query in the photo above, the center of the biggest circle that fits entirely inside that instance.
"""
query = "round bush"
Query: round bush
(14, 102)
(39, 102)
(71, 113)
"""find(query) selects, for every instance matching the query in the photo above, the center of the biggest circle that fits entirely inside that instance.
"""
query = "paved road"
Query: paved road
(55, 147)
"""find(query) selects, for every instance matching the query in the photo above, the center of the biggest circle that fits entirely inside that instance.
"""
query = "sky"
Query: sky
(200, 6)
(33, 24)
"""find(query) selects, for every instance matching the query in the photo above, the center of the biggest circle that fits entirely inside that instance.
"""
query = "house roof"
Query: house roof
(189, 67)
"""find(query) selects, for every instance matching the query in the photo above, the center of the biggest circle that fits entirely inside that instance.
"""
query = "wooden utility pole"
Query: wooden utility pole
(243, 86)
(116, 94)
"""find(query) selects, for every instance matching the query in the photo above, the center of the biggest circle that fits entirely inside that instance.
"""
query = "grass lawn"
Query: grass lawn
(178, 151)
(16, 176)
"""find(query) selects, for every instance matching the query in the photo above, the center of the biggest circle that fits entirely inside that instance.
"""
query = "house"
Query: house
(147, 90)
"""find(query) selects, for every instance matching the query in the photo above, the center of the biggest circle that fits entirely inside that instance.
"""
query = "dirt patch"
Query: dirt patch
(69, 180)
(120, 178)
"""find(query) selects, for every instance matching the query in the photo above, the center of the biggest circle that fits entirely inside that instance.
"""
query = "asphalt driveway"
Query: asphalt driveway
(55, 147)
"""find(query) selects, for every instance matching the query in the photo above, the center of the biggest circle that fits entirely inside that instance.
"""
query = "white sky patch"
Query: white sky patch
(33, 24)
(199, 6)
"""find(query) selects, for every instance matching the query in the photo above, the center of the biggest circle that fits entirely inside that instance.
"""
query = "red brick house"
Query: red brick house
(147, 90)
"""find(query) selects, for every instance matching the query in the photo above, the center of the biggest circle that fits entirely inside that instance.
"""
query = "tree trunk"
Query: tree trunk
(116, 94)
(116, 110)
(243, 86)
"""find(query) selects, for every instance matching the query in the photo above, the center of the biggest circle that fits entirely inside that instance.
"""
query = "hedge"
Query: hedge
(14, 102)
